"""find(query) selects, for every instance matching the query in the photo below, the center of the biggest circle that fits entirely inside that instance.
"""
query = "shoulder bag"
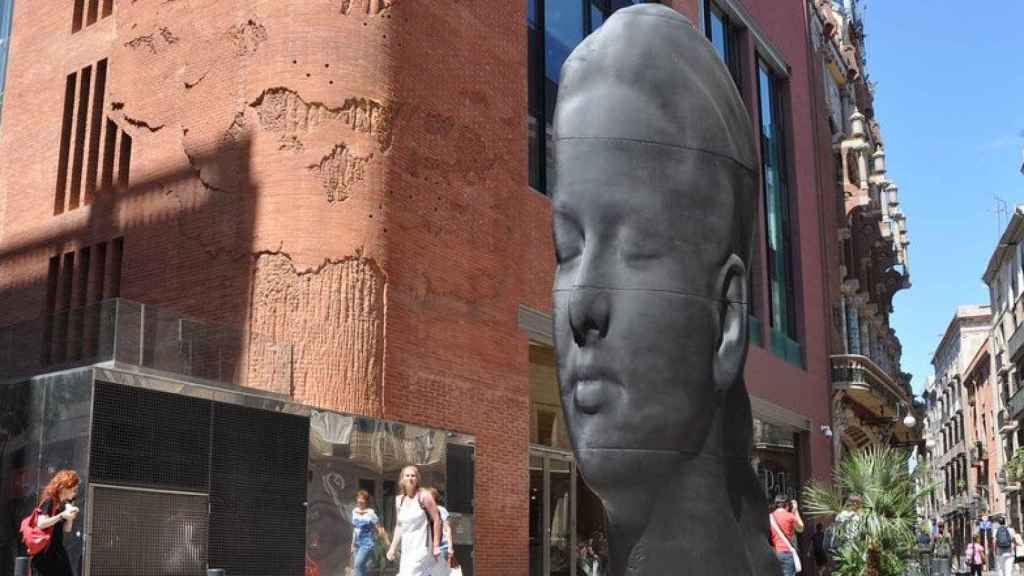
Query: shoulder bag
(789, 546)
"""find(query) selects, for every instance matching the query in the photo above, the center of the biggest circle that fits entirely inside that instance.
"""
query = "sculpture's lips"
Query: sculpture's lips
(590, 395)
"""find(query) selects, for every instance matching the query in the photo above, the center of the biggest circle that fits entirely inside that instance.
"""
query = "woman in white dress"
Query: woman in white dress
(417, 527)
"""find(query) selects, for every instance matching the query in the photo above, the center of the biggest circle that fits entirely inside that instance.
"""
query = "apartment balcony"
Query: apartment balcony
(978, 454)
(143, 337)
(956, 503)
(954, 452)
(1015, 405)
(1016, 343)
(871, 387)
(1006, 424)
(1008, 482)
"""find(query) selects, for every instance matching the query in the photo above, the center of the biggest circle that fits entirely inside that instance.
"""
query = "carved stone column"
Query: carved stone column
(841, 416)
(842, 324)
(865, 342)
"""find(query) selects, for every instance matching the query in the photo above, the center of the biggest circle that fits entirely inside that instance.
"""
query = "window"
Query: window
(95, 154)
(6, 16)
(778, 224)
(88, 12)
(1013, 284)
(723, 34)
(76, 282)
(555, 27)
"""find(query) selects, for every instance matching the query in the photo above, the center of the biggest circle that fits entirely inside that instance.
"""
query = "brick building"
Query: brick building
(982, 437)
(1004, 275)
(344, 179)
(954, 423)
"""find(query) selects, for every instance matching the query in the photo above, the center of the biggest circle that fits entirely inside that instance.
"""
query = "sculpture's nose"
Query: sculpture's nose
(588, 314)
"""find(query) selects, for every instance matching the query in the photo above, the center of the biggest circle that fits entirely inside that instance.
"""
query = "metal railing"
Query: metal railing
(853, 370)
(145, 336)
(1016, 341)
(1015, 405)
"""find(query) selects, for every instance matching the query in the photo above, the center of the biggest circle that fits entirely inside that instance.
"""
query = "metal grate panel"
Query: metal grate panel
(147, 533)
(148, 438)
(258, 492)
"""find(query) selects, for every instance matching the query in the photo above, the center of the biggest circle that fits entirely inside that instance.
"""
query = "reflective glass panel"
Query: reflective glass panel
(718, 33)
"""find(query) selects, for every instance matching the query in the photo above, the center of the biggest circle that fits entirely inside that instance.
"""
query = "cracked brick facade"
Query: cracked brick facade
(350, 176)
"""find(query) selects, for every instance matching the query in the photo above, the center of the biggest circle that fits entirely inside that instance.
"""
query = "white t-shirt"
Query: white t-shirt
(442, 512)
(1013, 539)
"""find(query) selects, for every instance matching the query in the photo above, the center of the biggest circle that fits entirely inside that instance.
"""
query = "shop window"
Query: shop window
(6, 16)
(554, 28)
(778, 221)
(724, 36)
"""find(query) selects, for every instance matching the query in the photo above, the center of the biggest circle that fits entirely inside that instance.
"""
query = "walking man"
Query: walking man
(942, 552)
(1005, 541)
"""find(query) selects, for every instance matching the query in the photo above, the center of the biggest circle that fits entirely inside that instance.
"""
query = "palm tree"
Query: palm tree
(879, 538)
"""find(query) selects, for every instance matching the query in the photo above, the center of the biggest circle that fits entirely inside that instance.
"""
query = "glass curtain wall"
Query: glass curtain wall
(555, 27)
(778, 220)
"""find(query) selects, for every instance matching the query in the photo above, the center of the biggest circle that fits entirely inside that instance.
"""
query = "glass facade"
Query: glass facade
(778, 220)
(44, 427)
(171, 470)
(722, 33)
(555, 27)
(6, 15)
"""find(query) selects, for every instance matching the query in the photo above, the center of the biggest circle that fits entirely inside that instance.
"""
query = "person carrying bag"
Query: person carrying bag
(975, 554)
(786, 523)
(779, 535)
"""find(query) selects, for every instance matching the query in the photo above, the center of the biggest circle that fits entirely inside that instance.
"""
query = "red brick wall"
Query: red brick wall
(355, 183)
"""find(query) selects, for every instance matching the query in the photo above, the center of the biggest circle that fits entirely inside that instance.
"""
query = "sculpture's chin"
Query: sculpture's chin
(611, 472)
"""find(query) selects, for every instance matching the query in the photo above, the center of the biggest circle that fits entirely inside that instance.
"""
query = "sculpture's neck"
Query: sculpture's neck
(687, 522)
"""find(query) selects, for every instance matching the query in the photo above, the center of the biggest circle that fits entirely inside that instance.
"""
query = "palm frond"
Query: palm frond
(882, 532)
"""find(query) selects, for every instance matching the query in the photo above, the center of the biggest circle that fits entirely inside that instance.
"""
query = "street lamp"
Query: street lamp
(909, 421)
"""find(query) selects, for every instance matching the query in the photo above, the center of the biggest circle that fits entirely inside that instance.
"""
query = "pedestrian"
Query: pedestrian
(942, 553)
(56, 507)
(366, 529)
(820, 553)
(924, 549)
(417, 527)
(845, 528)
(786, 523)
(975, 556)
(447, 560)
(1005, 540)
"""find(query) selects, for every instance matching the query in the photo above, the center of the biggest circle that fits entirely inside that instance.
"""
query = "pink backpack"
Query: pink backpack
(36, 539)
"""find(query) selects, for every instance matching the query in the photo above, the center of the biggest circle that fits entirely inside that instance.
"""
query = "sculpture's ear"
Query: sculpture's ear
(731, 350)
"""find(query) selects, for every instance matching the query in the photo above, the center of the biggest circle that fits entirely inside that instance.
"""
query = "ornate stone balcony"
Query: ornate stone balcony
(860, 377)
(882, 400)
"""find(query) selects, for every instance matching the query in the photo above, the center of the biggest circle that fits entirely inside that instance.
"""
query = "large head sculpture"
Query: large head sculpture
(653, 200)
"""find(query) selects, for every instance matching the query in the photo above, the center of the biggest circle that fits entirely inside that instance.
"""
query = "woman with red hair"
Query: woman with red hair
(55, 507)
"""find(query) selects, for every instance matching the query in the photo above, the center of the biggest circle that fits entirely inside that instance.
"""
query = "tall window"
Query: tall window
(6, 15)
(778, 223)
(723, 34)
(555, 28)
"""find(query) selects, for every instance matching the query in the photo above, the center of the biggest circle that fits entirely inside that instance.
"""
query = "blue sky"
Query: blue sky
(950, 100)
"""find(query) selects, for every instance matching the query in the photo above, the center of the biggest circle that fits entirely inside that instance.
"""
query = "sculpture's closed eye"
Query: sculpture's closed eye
(568, 241)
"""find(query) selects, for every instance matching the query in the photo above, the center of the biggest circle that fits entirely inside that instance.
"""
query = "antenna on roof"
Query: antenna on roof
(1002, 211)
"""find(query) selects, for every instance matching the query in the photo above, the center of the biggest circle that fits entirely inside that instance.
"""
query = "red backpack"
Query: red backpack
(36, 539)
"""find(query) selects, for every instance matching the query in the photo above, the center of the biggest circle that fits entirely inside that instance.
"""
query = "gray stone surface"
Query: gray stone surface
(654, 198)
